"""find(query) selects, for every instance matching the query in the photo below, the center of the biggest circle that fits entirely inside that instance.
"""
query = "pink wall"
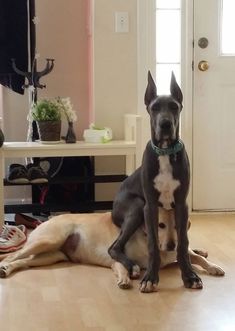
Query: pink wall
(63, 33)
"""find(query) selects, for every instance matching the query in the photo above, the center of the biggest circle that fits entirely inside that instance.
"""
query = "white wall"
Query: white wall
(115, 64)
(115, 79)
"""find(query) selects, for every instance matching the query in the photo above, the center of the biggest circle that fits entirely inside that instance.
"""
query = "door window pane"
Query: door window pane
(228, 27)
(168, 43)
(163, 77)
(168, 4)
(168, 36)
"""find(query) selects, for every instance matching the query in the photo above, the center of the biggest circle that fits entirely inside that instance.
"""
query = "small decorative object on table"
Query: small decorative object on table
(70, 114)
(70, 136)
(96, 134)
(47, 114)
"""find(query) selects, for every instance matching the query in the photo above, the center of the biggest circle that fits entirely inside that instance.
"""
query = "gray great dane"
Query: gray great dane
(162, 180)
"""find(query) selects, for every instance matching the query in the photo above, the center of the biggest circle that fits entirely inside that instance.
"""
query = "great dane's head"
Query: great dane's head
(164, 111)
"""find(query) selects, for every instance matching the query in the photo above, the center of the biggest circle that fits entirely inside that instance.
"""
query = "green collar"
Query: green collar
(169, 150)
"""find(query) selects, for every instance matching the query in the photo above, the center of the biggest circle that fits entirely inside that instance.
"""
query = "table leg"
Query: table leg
(2, 174)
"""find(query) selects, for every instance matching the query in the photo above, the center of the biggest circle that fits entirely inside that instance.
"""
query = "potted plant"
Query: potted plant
(47, 114)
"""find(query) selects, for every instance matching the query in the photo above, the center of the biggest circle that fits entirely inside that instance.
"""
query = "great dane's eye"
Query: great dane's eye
(173, 105)
(162, 225)
(155, 107)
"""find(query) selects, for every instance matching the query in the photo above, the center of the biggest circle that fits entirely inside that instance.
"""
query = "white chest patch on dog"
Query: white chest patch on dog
(165, 183)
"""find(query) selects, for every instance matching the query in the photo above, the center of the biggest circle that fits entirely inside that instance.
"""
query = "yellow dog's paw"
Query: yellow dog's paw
(124, 282)
(3, 271)
(215, 270)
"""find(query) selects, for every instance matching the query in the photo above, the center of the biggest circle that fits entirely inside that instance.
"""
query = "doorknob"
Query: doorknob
(203, 65)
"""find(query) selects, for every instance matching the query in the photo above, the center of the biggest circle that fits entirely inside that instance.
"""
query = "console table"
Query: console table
(80, 148)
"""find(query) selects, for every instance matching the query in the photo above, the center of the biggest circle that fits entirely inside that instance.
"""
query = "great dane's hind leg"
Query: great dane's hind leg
(43, 259)
(132, 222)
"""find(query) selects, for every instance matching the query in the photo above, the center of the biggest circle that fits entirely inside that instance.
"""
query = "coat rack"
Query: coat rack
(33, 76)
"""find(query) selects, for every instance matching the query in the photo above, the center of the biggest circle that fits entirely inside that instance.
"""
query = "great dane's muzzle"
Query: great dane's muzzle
(165, 129)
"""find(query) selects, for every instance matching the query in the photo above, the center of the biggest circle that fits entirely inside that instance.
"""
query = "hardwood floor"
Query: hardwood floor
(67, 297)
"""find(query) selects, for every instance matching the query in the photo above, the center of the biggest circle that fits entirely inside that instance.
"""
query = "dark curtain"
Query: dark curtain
(13, 42)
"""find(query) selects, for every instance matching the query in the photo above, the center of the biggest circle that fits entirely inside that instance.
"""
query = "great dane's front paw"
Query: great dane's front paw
(193, 281)
(148, 284)
(148, 287)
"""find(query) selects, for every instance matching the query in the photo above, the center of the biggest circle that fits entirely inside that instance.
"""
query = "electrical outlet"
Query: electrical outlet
(121, 22)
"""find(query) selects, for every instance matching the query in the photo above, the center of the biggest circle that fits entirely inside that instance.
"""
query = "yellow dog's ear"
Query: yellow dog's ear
(189, 224)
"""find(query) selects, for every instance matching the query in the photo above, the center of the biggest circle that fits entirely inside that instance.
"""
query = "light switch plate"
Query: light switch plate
(121, 22)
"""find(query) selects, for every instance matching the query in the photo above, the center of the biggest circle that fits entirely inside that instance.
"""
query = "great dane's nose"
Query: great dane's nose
(165, 124)
(170, 246)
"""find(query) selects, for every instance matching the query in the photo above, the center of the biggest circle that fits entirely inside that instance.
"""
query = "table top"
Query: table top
(80, 148)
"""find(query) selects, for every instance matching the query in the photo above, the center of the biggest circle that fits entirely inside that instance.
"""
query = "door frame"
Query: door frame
(147, 60)
(187, 76)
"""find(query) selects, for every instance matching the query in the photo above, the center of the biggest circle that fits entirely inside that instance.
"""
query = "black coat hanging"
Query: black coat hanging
(13, 42)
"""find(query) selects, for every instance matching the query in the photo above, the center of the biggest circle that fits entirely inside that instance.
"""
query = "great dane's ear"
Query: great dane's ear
(151, 90)
(175, 89)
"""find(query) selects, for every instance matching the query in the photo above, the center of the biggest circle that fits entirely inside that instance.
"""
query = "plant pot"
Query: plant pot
(49, 130)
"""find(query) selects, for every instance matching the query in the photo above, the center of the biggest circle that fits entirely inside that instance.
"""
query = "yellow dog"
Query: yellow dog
(85, 238)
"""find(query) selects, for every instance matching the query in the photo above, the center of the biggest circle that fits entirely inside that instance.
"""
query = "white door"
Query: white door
(214, 105)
